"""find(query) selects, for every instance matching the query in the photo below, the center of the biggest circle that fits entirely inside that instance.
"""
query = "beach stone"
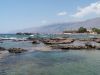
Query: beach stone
(16, 50)
(2, 49)
(35, 42)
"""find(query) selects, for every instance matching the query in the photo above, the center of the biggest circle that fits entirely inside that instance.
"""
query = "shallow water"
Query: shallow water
(52, 63)
(13, 36)
(72, 62)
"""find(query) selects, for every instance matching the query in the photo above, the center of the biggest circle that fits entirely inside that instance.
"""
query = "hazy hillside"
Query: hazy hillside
(54, 28)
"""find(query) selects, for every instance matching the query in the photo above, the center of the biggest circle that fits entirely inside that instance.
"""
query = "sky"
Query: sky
(21, 14)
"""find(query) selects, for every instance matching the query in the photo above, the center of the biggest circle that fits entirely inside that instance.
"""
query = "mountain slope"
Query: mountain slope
(59, 27)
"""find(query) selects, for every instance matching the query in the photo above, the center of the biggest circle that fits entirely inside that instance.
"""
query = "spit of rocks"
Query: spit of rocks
(58, 41)
(16, 50)
(87, 46)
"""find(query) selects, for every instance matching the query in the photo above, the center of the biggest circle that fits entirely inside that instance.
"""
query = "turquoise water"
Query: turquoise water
(50, 35)
(11, 44)
(52, 63)
(72, 62)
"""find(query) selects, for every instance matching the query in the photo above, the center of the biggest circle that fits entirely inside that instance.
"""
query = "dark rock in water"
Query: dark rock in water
(97, 40)
(58, 41)
(35, 42)
(20, 33)
(2, 49)
(30, 38)
(19, 40)
(85, 40)
(89, 45)
(16, 50)
(72, 47)
(98, 48)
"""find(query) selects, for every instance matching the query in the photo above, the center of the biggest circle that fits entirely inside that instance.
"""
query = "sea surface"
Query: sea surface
(71, 62)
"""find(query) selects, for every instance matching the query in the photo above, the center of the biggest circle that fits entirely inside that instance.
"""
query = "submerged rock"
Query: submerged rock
(30, 38)
(2, 49)
(16, 50)
(89, 45)
(35, 42)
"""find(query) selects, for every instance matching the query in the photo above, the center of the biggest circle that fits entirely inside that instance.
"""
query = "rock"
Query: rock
(30, 38)
(16, 50)
(85, 40)
(58, 41)
(35, 42)
(97, 40)
(18, 40)
(2, 49)
(71, 47)
(89, 45)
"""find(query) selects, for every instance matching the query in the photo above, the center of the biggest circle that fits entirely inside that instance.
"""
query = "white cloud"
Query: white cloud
(62, 13)
(93, 8)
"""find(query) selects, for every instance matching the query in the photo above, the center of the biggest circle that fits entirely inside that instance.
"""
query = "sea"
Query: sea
(53, 62)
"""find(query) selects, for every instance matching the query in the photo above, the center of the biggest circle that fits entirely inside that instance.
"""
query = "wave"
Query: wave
(13, 38)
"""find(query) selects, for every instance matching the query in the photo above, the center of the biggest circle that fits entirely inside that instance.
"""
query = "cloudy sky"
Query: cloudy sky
(20, 14)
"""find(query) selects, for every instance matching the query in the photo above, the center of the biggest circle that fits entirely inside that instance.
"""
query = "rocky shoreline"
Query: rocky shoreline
(54, 43)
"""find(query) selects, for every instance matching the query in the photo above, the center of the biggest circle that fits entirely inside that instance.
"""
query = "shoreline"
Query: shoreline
(48, 44)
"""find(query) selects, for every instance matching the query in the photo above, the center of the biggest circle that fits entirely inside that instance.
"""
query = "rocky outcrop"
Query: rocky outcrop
(72, 47)
(58, 41)
(16, 50)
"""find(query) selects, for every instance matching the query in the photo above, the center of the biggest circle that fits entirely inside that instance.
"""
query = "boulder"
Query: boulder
(35, 42)
(58, 41)
(97, 40)
(16, 50)
(2, 49)
(89, 45)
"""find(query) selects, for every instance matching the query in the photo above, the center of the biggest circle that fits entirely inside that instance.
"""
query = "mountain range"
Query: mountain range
(59, 27)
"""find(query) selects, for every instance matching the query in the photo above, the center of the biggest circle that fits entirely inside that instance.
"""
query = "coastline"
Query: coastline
(46, 44)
